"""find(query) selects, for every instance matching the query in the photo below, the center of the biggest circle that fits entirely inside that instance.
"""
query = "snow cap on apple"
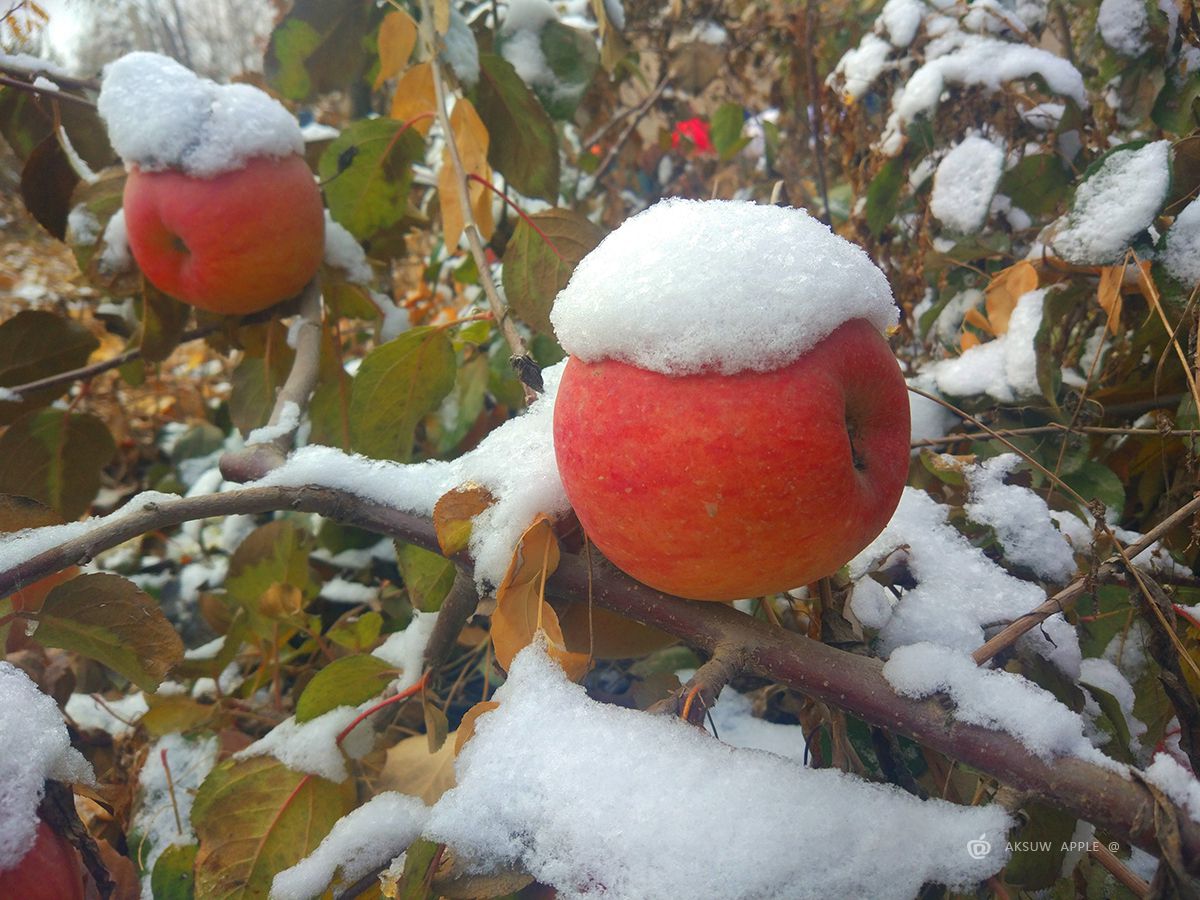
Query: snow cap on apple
(161, 115)
(731, 422)
(689, 286)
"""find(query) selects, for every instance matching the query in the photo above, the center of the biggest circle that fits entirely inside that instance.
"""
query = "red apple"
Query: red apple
(49, 871)
(717, 487)
(232, 244)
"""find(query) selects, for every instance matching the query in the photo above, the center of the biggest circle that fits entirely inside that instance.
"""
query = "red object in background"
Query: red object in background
(695, 131)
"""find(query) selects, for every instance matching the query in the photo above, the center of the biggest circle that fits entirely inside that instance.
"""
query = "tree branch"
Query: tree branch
(1128, 808)
(256, 459)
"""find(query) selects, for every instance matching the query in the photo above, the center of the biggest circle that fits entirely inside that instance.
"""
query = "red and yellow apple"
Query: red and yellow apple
(715, 486)
(232, 244)
(49, 871)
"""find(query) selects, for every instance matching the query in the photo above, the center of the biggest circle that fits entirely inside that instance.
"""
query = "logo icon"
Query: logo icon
(979, 848)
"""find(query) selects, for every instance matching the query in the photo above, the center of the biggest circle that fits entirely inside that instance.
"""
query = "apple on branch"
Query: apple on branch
(221, 210)
(732, 422)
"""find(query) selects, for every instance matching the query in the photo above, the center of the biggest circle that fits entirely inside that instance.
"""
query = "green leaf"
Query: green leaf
(1118, 745)
(427, 576)
(358, 633)
(47, 182)
(397, 384)
(726, 128)
(457, 416)
(416, 881)
(367, 172)
(572, 58)
(1177, 109)
(107, 618)
(318, 47)
(260, 374)
(26, 120)
(254, 818)
(1096, 481)
(344, 682)
(275, 554)
(35, 344)
(174, 876)
(55, 457)
(883, 196)
(523, 145)
(1039, 184)
(163, 320)
(534, 271)
(1037, 859)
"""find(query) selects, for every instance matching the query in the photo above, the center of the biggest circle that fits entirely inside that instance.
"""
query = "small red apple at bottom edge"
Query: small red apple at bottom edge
(720, 487)
(232, 244)
(49, 871)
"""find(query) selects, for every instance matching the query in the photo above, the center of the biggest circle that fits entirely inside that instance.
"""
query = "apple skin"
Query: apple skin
(233, 244)
(719, 487)
(49, 871)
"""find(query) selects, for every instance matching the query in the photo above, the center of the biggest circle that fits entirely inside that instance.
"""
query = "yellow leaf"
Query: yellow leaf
(976, 318)
(471, 139)
(453, 513)
(466, 728)
(414, 97)
(281, 600)
(1109, 294)
(441, 16)
(1005, 289)
(969, 340)
(521, 609)
(411, 769)
(397, 37)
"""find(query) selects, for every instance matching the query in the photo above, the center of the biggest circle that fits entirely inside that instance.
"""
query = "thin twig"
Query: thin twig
(1066, 598)
(637, 116)
(474, 240)
(31, 88)
(1056, 428)
(1119, 870)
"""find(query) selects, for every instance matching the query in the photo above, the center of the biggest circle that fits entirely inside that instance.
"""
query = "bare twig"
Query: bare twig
(456, 609)
(521, 360)
(1119, 870)
(1057, 428)
(637, 116)
(1066, 598)
(694, 699)
(31, 88)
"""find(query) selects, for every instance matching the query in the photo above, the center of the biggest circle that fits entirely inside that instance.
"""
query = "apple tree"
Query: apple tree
(364, 478)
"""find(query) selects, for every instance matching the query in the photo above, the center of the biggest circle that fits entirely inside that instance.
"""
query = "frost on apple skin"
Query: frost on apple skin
(161, 115)
(690, 286)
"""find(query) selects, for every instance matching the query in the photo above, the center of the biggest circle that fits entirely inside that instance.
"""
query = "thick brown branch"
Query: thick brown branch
(850, 682)
(457, 608)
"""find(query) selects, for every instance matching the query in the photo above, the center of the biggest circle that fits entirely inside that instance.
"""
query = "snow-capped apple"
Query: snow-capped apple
(732, 422)
(50, 870)
(221, 211)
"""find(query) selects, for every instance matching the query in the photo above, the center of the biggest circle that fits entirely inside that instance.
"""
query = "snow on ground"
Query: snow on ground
(163, 807)
(34, 746)
(692, 303)
(161, 115)
(116, 716)
(1115, 204)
